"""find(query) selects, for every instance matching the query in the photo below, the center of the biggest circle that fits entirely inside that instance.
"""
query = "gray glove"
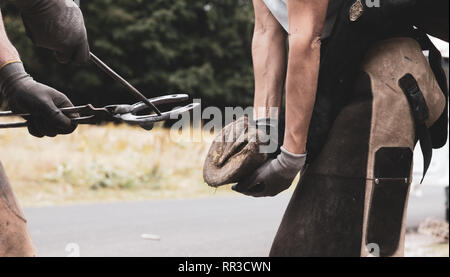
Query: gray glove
(57, 25)
(24, 95)
(241, 147)
(273, 177)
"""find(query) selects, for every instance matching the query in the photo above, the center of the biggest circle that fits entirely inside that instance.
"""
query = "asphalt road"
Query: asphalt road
(216, 226)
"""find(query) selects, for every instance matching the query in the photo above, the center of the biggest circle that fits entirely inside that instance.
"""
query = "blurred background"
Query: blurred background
(116, 190)
(199, 47)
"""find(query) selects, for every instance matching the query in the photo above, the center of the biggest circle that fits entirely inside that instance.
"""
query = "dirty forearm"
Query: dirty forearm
(8, 52)
(306, 19)
(269, 61)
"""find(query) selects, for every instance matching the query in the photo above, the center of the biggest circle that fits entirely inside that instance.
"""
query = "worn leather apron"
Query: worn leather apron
(352, 200)
(15, 240)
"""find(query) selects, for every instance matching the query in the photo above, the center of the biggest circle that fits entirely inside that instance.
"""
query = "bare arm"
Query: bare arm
(306, 20)
(8, 52)
(269, 60)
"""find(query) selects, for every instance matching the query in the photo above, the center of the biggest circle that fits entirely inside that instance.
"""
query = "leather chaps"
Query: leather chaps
(15, 240)
(352, 200)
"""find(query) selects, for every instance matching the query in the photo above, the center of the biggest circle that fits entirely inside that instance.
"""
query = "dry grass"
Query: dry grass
(418, 245)
(106, 163)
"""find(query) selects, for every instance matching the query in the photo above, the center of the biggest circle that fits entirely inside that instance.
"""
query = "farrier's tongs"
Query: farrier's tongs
(136, 114)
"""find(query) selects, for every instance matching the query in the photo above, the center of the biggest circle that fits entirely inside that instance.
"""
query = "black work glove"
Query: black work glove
(57, 25)
(24, 95)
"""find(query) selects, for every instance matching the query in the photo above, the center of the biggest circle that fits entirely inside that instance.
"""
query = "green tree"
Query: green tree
(198, 47)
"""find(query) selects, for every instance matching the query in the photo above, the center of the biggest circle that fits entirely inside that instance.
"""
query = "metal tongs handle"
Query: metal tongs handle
(92, 115)
(13, 124)
(130, 114)
(25, 123)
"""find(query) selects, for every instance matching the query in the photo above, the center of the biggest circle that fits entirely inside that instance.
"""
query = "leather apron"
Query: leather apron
(352, 200)
(15, 240)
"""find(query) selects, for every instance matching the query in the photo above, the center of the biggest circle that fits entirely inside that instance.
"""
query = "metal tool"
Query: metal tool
(124, 82)
(130, 114)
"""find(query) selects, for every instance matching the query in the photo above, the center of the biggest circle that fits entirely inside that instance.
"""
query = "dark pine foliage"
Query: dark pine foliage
(201, 47)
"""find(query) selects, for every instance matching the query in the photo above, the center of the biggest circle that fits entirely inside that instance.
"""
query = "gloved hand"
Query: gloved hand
(274, 177)
(24, 95)
(57, 25)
